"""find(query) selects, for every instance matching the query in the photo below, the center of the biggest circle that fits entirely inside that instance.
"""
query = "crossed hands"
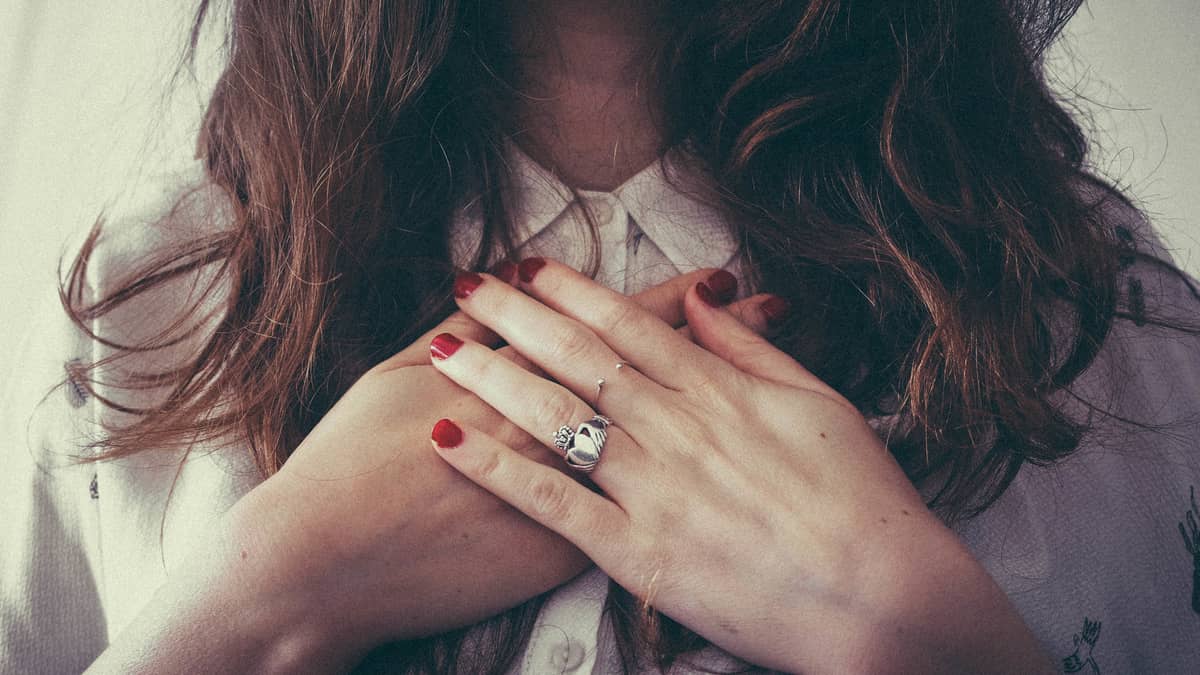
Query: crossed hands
(736, 493)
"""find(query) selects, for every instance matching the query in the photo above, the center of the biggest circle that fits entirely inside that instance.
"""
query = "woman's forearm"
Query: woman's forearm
(203, 634)
(217, 613)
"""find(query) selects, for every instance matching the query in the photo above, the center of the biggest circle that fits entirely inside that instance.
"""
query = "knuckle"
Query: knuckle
(747, 312)
(551, 280)
(707, 389)
(555, 411)
(717, 396)
(548, 499)
(488, 466)
(500, 301)
(568, 343)
(616, 316)
(516, 438)
(484, 364)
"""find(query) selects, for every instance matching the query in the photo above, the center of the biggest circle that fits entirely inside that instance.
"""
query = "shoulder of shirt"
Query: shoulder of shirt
(46, 405)
(160, 210)
(153, 217)
(147, 225)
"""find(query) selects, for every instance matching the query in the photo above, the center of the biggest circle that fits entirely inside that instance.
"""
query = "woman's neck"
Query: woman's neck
(586, 108)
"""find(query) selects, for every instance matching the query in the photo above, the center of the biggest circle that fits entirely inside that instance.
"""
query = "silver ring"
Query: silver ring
(583, 445)
(562, 437)
(600, 384)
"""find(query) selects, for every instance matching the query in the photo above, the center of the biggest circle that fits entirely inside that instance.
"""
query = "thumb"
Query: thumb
(666, 299)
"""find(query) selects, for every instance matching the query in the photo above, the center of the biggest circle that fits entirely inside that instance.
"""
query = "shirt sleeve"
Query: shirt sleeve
(1099, 552)
(58, 603)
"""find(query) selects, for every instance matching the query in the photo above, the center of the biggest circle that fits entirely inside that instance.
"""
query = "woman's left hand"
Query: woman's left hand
(742, 496)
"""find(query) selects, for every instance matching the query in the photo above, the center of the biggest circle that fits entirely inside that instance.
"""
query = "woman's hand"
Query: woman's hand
(743, 497)
(365, 536)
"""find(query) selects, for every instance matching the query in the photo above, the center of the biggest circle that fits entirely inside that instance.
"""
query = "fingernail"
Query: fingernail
(466, 283)
(446, 434)
(444, 346)
(775, 309)
(707, 295)
(723, 285)
(530, 267)
(507, 271)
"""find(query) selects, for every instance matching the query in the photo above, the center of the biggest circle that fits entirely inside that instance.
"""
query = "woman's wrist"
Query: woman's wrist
(223, 610)
(190, 628)
(269, 594)
(930, 607)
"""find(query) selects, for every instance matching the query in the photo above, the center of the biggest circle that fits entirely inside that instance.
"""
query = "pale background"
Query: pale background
(81, 84)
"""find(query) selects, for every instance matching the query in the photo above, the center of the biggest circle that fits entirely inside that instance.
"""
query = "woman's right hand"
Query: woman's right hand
(366, 537)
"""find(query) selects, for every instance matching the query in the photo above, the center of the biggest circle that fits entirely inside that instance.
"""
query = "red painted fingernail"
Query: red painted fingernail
(507, 271)
(723, 285)
(466, 283)
(530, 267)
(444, 346)
(775, 309)
(446, 434)
(707, 295)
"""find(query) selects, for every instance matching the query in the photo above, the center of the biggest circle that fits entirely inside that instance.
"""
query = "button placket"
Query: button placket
(602, 210)
(613, 223)
(566, 656)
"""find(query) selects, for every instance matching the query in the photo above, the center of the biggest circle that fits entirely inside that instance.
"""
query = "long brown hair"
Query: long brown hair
(899, 170)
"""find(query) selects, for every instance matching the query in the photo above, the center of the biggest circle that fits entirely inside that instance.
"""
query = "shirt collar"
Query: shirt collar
(690, 233)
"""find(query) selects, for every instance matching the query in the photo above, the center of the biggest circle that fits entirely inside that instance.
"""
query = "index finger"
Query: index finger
(664, 300)
(417, 353)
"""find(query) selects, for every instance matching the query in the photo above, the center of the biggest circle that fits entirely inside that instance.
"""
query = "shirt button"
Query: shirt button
(566, 656)
(602, 211)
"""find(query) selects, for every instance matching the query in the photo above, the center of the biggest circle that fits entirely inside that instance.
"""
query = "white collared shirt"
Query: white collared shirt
(651, 228)
(1092, 551)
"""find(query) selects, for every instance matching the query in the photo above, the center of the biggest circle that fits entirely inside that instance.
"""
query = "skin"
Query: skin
(365, 536)
(742, 495)
(586, 108)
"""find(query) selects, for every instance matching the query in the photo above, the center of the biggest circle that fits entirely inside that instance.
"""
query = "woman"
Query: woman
(964, 446)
